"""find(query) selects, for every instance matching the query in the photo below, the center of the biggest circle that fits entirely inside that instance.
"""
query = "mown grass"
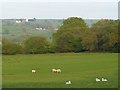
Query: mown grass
(80, 68)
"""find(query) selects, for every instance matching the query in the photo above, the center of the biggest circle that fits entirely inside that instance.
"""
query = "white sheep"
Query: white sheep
(33, 71)
(56, 70)
(97, 80)
(68, 82)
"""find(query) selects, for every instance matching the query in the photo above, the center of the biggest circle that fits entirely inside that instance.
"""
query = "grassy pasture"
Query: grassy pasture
(80, 68)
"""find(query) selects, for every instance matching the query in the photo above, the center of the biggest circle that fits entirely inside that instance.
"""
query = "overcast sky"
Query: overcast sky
(49, 9)
(59, 0)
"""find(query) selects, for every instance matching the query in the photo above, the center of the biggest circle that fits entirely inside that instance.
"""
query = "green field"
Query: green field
(80, 68)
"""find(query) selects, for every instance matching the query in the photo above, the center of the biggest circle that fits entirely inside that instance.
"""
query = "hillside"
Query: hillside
(19, 30)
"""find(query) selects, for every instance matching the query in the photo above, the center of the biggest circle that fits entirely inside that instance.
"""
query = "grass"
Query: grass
(80, 68)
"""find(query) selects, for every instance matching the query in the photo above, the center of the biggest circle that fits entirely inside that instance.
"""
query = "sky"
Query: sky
(60, 9)
(60, 0)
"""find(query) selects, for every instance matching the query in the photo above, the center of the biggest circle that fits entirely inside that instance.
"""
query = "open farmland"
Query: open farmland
(80, 68)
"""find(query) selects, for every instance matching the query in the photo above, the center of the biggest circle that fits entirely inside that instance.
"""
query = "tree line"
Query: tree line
(72, 36)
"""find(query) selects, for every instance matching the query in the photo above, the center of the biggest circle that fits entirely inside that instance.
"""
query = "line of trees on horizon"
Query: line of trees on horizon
(72, 36)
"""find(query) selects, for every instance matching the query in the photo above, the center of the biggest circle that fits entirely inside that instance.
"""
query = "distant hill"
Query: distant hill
(90, 22)
(18, 30)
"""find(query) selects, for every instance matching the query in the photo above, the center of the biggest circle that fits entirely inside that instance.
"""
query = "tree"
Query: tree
(64, 42)
(36, 45)
(107, 35)
(89, 40)
(68, 37)
(10, 48)
(73, 23)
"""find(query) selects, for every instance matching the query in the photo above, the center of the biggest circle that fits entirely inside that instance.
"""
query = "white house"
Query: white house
(21, 20)
(26, 20)
(38, 28)
(18, 21)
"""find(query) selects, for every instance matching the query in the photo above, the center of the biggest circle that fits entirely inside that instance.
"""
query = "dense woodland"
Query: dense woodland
(73, 35)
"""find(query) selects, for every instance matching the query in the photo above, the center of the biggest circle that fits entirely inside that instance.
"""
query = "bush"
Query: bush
(36, 45)
(10, 48)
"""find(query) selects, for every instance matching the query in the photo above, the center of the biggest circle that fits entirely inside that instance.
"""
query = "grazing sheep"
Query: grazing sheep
(56, 70)
(104, 80)
(68, 82)
(97, 80)
(33, 71)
